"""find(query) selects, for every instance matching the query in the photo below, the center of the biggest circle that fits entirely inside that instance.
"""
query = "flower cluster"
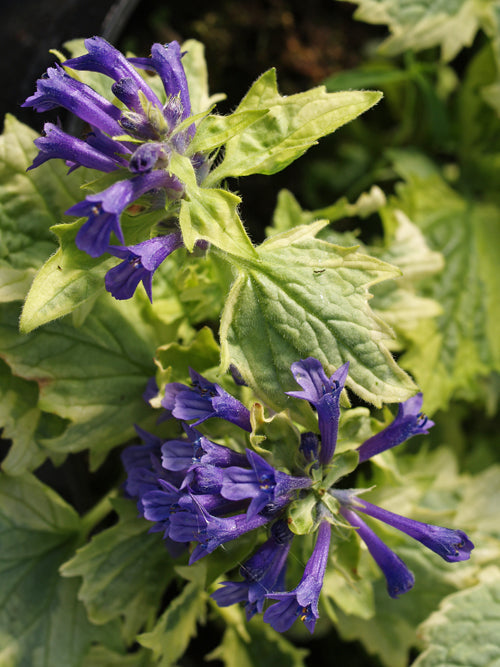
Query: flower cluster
(197, 491)
(135, 136)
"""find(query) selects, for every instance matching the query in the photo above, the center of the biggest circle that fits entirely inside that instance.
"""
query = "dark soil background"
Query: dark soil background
(305, 41)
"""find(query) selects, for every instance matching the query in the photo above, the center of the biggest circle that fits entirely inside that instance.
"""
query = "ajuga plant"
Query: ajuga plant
(242, 402)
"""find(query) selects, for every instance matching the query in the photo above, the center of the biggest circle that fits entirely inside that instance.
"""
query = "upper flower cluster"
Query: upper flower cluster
(195, 490)
(135, 135)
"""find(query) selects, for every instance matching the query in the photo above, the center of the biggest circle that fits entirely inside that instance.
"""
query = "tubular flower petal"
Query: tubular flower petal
(302, 602)
(206, 399)
(409, 421)
(103, 210)
(139, 263)
(262, 483)
(399, 578)
(263, 572)
(451, 545)
(195, 490)
(324, 394)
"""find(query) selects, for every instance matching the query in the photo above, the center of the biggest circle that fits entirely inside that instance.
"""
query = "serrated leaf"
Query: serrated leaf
(309, 298)
(173, 631)
(263, 647)
(422, 24)
(210, 214)
(463, 343)
(31, 202)
(292, 125)
(42, 622)
(466, 629)
(125, 571)
(92, 376)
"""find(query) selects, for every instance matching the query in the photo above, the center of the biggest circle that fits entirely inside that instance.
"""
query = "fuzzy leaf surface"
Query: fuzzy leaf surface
(306, 297)
(466, 629)
(291, 125)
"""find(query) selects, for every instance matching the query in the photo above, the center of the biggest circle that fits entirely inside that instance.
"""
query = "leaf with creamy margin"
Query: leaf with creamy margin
(466, 629)
(306, 297)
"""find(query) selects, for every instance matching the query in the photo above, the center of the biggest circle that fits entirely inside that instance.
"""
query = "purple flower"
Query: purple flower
(184, 454)
(451, 545)
(262, 483)
(149, 122)
(210, 531)
(104, 58)
(104, 209)
(398, 576)
(58, 89)
(55, 143)
(262, 573)
(203, 401)
(139, 263)
(166, 62)
(409, 421)
(302, 602)
(324, 394)
(142, 464)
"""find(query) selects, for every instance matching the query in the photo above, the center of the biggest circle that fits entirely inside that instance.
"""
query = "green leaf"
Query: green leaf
(175, 359)
(68, 279)
(31, 201)
(260, 646)
(275, 436)
(14, 283)
(291, 125)
(92, 376)
(306, 297)
(466, 629)
(302, 515)
(209, 214)
(173, 631)
(427, 487)
(100, 656)
(422, 24)
(42, 622)
(19, 417)
(125, 571)
(463, 343)
(213, 131)
(195, 67)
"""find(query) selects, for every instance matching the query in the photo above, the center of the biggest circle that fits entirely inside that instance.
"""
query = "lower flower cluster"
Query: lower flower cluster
(196, 491)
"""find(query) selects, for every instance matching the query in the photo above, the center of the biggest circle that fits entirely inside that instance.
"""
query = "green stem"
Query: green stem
(98, 512)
